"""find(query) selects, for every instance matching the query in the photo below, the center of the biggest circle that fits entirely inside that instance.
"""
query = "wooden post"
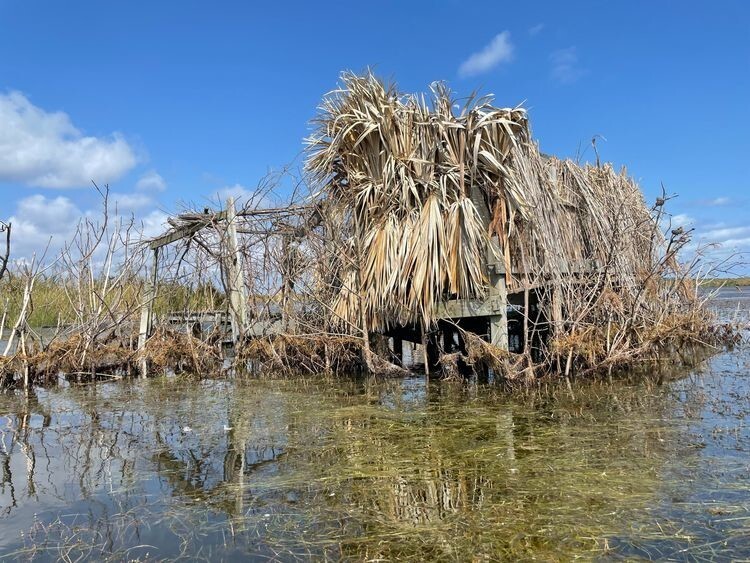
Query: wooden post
(433, 350)
(289, 251)
(496, 270)
(556, 313)
(498, 294)
(147, 313)
(235, 276)
(425, 356)
(398, 349)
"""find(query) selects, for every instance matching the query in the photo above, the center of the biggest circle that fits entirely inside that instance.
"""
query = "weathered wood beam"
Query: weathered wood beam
(463, 308)
(236, 275)
(186, 231)
(147, 312)
(498, 293)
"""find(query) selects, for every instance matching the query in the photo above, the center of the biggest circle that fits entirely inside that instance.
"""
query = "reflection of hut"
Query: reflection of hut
(454, 214)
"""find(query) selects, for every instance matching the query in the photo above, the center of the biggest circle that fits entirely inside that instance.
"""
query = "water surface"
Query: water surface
(654, 467)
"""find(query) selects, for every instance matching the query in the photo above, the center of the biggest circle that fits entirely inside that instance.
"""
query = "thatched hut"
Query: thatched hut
(450, 216)
(430, 222)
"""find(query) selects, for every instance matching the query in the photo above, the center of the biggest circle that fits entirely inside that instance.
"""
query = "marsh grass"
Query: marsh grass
(52, 299)
(742, 282)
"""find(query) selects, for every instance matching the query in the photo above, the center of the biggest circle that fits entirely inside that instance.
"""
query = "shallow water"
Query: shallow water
(407, 469)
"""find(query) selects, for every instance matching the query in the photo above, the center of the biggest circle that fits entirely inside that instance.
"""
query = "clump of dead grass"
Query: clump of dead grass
(180, 352)
(300, 354)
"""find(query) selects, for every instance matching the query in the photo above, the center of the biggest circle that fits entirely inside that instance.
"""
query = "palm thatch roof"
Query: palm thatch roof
(419, 186)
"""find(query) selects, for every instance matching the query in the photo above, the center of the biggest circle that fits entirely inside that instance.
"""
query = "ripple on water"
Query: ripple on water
(358, 469)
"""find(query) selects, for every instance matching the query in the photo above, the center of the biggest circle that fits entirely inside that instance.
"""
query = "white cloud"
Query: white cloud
(40, 221)
(737, 243)
(681, 220)
(245, 197)
(54, 213)
(499, 50)
(236, 191)
(151, 182)
(719, 201)
(44, 149)
(154, 224)
(565, 66)
(725, 235)
(130, 202)
(733, 242)
(536, 29)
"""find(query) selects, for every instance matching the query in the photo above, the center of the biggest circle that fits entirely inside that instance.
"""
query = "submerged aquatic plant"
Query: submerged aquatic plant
(300, 468)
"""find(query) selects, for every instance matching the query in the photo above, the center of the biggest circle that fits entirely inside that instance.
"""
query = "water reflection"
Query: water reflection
(367, 469)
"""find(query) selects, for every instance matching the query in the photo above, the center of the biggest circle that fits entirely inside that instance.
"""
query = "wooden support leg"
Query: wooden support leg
(433, 351)
(557, 316)
(235, 276)
(425, 355)
(398, 349)
(499, 331)
(147, 308)
(499, 321)
(498, 296)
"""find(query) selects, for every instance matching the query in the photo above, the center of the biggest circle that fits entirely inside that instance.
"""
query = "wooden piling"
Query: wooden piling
(147, 313)
(235, 276)
(498, 293)
(398, 350)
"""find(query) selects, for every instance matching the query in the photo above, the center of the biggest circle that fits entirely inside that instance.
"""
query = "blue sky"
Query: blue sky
(181, 101)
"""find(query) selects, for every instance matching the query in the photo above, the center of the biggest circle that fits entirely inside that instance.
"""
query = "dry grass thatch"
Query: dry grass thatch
(428, 196)
(423, 187)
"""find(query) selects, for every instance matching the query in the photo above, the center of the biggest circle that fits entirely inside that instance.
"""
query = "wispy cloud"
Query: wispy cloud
(499, 50)
(41, 222)
(243, 196)
(536, 29)
(565, 65)
(715, 242)
(733, 242)
(681, 220)
(719, 201)
(127, 203)
(151, 182)
(725, 235)
(237, 191)
(45, 149)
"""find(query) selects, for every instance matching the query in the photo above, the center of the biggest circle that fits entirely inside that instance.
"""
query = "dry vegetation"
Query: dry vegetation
(407, 203)
(408, 182)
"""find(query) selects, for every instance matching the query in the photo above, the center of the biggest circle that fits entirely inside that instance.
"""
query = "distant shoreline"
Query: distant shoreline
(727, 282)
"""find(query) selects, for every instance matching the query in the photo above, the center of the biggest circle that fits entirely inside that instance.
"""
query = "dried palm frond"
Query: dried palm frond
(405, 169)
(415, 188)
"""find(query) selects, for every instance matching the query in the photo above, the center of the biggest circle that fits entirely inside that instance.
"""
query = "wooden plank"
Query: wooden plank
(495, 258)
(462, 308)
(189, 230)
